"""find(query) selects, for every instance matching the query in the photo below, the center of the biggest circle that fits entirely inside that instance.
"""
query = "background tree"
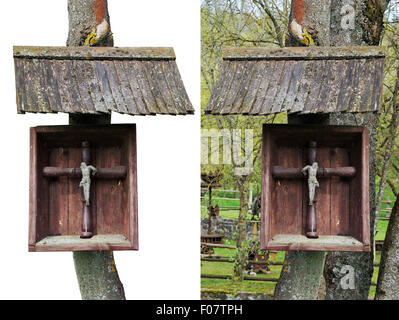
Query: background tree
(388, 280)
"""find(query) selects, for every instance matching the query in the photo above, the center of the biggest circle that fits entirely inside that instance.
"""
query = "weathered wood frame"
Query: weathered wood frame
(359, 224)
(38, 217)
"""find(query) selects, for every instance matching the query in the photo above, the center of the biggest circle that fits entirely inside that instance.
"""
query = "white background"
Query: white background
(167, 265)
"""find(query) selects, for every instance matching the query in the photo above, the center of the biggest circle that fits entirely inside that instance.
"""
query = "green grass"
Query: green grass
(230, 286)
(223, 268)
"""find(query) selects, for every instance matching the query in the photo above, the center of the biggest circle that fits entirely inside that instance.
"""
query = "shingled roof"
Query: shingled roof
(261, 81)
(135, 81)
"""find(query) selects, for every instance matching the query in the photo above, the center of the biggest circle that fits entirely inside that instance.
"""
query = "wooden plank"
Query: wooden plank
(257, 106)
(72, 86)
(117, 172)
(240, 94)
(45, 91)
(272, 88)
(91, 84)
(345, 91)
(59, 73)
(105, 86)
(253, 86)
(367, 92)
(225, 84)
(119, 101)
(137, 71)
(94, 53)
(365, 208)
(330, 105)
(33, 189)
(58, 195)
(181, 90)
(312, 102)
(241, 72)
(266, 189)
(38, 84)
(75, 194)
(378, 87)
(303, 53)
(75, 243)
(217, 88)
(132, 215)
(20, 86)
(148, 72)
(322, 194)
(340, 194)
(293, 88)
(286, 215)
(32, 105)
(303, 87)
(283, 87)
(109, 192)
(125, 89)
(82, 86)
(135, 88)
(279, 172)
(51, 87)
(159, 78)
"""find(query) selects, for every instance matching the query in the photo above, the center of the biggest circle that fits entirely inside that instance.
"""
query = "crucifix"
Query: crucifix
(86, 172)
(312, 172)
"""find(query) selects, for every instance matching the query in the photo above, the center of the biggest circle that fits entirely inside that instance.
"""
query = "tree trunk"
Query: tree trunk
(302, 273)
(309, 20)
(97, 275)
(89, 23)
(300, 276)
(242, 254)
(388, 276)
(356, 24)
(96, 270)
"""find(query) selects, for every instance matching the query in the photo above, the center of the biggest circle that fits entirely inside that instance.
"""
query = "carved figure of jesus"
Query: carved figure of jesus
(85, 182)
(311, 172)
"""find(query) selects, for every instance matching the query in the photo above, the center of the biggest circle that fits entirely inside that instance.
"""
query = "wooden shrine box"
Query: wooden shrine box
(56, 200)
(341, 203)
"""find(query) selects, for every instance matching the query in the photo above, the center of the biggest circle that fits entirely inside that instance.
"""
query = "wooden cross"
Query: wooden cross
(279, 172)
(118, 172)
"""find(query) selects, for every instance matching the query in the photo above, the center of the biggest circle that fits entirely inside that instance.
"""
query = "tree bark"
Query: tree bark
(96, 270)
(388, 276)
(97, 275)
(389, 145)
(364, 29)
(309, 18)
(241, 253)
(300, 276)
(86, 16)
